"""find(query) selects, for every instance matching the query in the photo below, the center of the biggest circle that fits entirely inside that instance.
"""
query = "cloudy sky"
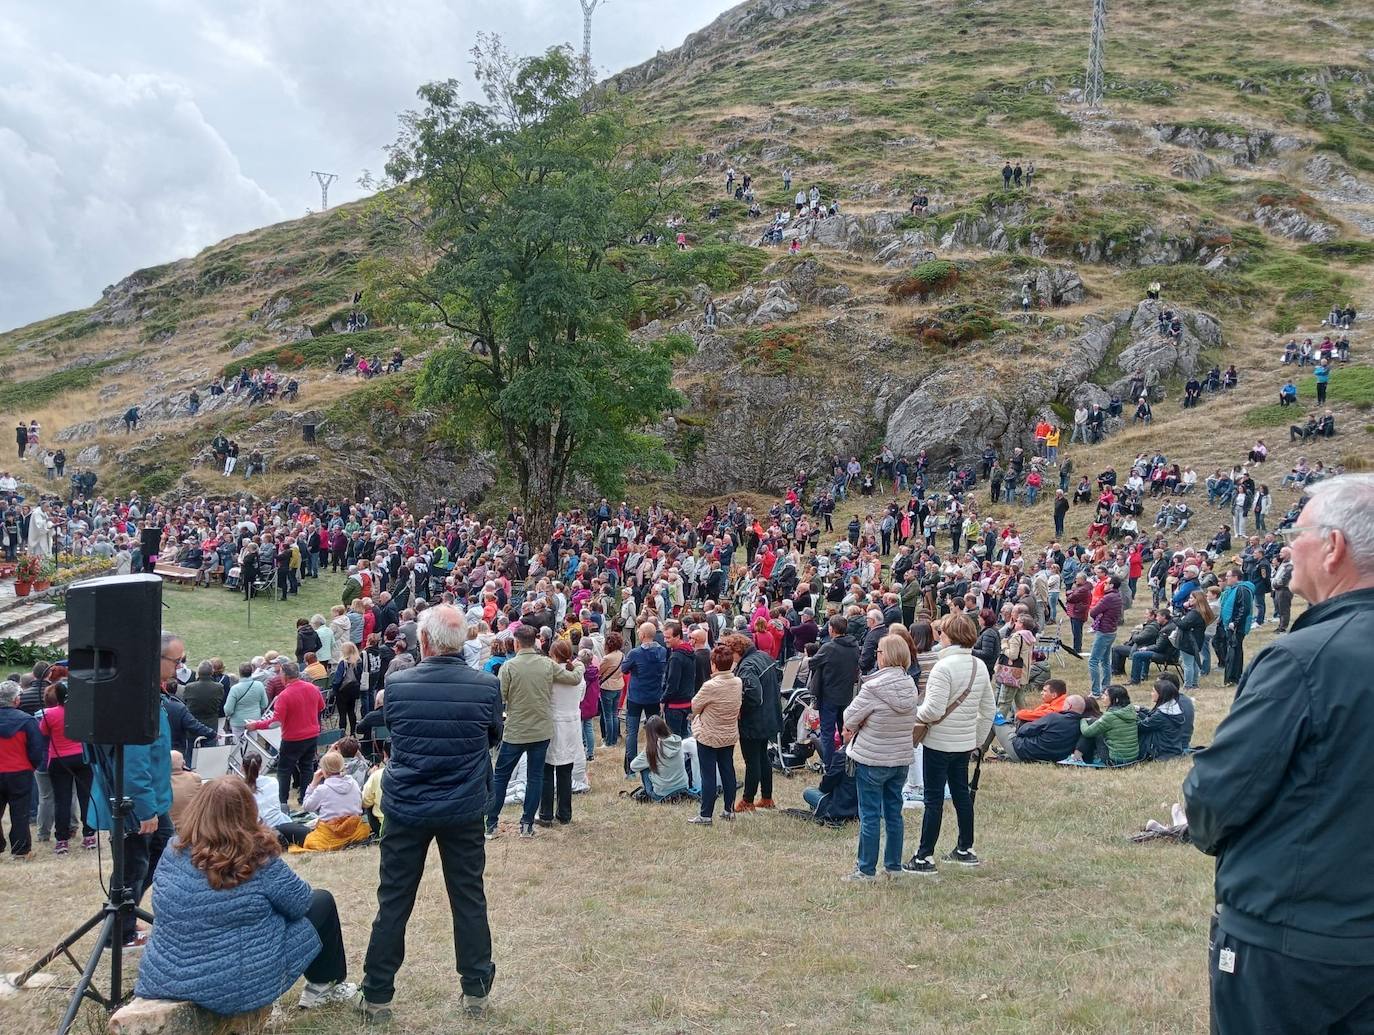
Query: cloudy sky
(138, 132)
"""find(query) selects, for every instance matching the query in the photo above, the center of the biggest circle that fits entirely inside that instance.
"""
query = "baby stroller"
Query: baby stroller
(794, 746)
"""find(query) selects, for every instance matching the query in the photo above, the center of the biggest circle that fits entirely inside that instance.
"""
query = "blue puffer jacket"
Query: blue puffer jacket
(228, 951)
(444, 719)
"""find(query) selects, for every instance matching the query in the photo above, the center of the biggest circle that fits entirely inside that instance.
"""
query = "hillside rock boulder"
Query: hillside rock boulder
(1292, 223)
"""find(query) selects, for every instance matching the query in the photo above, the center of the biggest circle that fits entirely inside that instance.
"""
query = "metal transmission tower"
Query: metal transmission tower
(588, 7)
(325, 180)
(1092, 86)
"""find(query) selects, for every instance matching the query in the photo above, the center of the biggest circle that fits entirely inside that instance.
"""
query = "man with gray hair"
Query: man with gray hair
(21, 753)
(1279, 794)
(444, 719)
(868, 654)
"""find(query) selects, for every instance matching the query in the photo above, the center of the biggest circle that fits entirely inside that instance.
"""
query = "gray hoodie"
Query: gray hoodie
(883, 712)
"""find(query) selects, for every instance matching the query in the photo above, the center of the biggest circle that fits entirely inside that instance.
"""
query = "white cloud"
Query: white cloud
(167, 125)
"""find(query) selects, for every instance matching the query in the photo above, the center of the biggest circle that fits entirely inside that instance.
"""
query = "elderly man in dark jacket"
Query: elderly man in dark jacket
(834, 671)
(444, 719)
(1049, 738)
(760, 720)
(1282, 795)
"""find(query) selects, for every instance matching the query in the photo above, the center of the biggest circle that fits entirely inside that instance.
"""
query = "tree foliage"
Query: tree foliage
(531, 202)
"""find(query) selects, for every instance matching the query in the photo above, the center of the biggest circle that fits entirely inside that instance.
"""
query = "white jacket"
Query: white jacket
(566, 705)
(968, 725)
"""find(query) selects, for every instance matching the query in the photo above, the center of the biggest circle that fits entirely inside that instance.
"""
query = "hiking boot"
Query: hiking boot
(373, 1013)
(324, 994)
(743, 806)
(703, 821)
(964, 857)
(919, 866)
(765, 803)
(526, 830)
(60, 848)
(473, 1005)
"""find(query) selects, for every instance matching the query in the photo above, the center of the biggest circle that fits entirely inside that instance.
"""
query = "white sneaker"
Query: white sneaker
(859, 877)
(322, 995)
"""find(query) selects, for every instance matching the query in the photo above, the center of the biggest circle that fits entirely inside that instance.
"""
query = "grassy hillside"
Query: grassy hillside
(1240, 177)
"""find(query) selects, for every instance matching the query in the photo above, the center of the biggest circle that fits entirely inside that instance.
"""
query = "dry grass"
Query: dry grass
(633, 921)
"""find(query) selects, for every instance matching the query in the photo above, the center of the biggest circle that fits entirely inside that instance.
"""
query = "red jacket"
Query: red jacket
(296, 710)
(1136, 564)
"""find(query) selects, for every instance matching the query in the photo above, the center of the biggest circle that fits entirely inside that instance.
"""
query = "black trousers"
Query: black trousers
(295, 759)
(463, 856)
(1266, 993)
(1235, 655)
(292, 833)
(68, 772)
(16, 791)
(557, 779)
(332, 963)
(141, 855)
(941, 769)
(758, 774)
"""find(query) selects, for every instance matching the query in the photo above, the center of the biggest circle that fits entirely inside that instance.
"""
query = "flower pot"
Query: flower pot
(41, 585)
(21, 589)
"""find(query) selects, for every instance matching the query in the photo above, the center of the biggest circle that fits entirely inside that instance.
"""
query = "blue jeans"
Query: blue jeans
(610, 717)
(1032, 494)
(534, 779)
(1190, 667)
(678, 721)
(1076, 624)
(634, 713)
(880, 803)
(588, 738)
(812, 797)
(1207, 655)
(1140, 664)
(1053, 609)
(830, 717)
(1100, 661)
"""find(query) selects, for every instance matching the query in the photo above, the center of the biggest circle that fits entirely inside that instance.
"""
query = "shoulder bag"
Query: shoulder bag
(919, 731)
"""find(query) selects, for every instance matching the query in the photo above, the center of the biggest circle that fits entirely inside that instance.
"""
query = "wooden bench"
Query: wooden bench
(176, 573)
(165, 1017)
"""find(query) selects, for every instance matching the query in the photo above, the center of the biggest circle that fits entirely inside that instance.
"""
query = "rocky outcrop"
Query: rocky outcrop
(1192, 165)
(1294, 224)
(1246, 147)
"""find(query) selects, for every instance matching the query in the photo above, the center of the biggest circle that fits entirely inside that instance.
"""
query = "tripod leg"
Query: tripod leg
(60, 948)
(83, 986)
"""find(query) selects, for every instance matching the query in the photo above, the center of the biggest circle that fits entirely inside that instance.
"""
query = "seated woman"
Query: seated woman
(1258, 452)
(659, 765)
(336, 799)
(1164, 729)
(836, 800)
(314, 668)
(1113, 738)
(270, 812)
(236, 927)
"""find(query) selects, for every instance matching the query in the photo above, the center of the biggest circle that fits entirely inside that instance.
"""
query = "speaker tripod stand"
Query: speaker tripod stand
(116, 916)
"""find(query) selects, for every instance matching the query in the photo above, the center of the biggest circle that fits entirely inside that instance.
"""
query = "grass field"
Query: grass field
(631, 920)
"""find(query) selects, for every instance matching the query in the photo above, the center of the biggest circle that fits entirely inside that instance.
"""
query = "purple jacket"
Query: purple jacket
(1107, 612)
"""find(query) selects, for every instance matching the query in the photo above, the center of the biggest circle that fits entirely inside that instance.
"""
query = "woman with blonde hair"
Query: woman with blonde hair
(222, 883)
(958, 710)
(347, 685)
(715, 725)
(877, 730)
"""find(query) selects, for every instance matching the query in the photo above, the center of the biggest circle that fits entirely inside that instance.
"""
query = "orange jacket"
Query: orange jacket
(1042, 709)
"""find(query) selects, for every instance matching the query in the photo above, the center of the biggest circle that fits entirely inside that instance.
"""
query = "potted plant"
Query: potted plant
(46, 572)
(26, 572)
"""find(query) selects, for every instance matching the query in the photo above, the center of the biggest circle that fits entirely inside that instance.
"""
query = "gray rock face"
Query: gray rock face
(1289, 222)
(1192, 165)
(90, 456)
(1056, 285)
(943, 417)
(1332, 174)
(1244, 148)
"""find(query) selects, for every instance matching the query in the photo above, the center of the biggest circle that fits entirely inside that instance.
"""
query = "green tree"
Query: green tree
(529, 204)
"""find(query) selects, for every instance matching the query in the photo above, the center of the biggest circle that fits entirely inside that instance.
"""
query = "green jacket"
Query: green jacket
(1118, 726)
(527, 690)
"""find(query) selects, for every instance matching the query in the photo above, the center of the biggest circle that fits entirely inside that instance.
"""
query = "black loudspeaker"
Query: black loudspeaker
(150, 539)
(114, 638)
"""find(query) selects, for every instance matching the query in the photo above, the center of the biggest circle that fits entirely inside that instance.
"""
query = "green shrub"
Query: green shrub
(926, 280)
(325, 350)
(17, 395)
(1352, 253)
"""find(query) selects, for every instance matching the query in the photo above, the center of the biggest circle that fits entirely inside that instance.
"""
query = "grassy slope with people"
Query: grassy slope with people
(894, 97)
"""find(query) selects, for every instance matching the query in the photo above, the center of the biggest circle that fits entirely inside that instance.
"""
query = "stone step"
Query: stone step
(25, 612)
(53, 638)
(35, 627)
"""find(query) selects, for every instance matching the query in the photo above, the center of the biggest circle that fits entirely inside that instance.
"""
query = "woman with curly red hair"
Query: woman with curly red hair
(235, 926)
